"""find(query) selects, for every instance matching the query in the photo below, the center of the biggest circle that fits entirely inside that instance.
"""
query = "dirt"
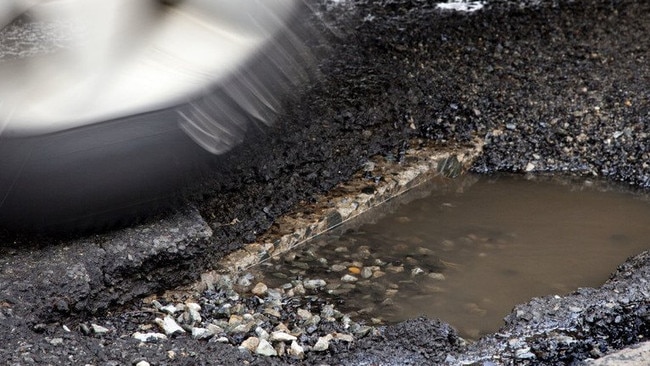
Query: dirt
(557, 87)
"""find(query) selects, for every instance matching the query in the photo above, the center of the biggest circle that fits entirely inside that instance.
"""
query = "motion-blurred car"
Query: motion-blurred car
(108, 105)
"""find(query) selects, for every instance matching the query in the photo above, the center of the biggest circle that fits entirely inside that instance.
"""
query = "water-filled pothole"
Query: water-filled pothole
(470, 250)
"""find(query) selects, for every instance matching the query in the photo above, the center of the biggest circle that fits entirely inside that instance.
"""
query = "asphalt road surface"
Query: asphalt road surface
(550, 86)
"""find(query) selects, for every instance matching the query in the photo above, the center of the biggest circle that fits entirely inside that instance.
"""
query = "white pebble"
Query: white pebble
(281, 337)
(296, 350)
(349, 278)
(169, 325)
(323, 343)
(265, 349)
(148, 337)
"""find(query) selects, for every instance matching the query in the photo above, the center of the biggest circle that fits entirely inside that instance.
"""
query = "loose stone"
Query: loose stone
(344, 337)
(436, 276)
(314, 284)
(339, 291)
(169, 309)
(272, 312)
(261, 333)
(281, 337)
(281, 349)
(296, 350)
(56, 341)
(322, 344)
(149, 337)
(98, 329)
(354, 270)
(169, 325)
(416, 271)
(265, 348)
(366, 272)
(304, 314)
(259, 289)
(299, 289)
(394, 269)
(349, 278)
(193, 313)
(201, 333)
(250, 344)
(143, 363)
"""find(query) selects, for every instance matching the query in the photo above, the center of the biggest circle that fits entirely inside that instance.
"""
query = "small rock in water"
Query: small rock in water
(395, 269)
(354, 270)
(299, 289)
(436, 276)
(416, 271)
(314, 284)
(349, 278)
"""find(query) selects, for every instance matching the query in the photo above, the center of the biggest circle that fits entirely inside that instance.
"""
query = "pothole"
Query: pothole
(469, 251)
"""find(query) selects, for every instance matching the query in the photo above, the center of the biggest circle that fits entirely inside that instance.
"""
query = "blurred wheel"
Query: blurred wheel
(107, 106)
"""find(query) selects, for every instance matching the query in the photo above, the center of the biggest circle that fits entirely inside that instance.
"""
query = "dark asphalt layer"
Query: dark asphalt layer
(557, 87)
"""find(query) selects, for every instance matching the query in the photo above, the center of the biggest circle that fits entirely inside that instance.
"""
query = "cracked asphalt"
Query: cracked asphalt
(555, 87)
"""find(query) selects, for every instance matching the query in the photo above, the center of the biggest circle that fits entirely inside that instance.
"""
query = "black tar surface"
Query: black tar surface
(561, 86)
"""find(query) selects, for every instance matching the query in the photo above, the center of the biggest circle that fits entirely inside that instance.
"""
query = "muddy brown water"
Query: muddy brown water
(471, 249)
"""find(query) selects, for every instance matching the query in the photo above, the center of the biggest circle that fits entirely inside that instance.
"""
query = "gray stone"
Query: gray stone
(149, 337)
(296, 350)
(201, 333)
(281, 337)
(259, 289)
(55, 341)
(250, 344)
(265, 349)
(193, 313)
(349, 278)
(98, 329)
(314, 284)
(169, 309)
(322, 344)
(169, 325)
(262, 333)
